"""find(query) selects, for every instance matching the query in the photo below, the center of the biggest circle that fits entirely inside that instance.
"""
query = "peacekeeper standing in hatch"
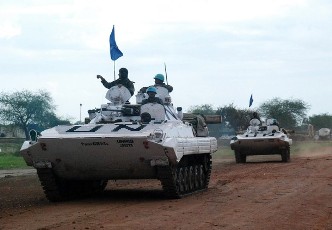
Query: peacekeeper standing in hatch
(159, 81)
(151, 91)
(122, 80)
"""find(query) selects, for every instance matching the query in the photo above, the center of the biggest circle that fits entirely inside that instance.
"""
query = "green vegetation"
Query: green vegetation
(308, 146)
(223, 151)
(289, 113)
(321, 121)
(25, 108)
(10, 157)
(12, 162)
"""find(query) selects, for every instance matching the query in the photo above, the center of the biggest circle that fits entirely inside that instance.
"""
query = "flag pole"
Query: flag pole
(114, 69)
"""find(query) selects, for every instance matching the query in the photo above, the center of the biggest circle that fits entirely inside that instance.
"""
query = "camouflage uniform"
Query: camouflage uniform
(152, 100)
(168, 87)
(123, 80)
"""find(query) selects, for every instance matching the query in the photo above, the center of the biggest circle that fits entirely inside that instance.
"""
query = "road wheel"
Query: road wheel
(186, 179)
(181, 180)
(201, 177)
(191, 178)
(196, 175)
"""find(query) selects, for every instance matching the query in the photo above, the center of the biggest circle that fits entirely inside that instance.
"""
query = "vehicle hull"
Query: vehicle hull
(264, 140)
(259, 146)
(86, 156)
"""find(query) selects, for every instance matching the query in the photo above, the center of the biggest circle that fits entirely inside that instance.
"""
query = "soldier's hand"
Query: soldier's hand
(99, 76)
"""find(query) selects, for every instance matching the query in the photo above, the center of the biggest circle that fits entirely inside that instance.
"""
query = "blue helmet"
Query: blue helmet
(151, 90)
(160, 77)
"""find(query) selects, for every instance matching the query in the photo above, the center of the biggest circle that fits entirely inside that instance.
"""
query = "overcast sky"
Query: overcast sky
(217, 52)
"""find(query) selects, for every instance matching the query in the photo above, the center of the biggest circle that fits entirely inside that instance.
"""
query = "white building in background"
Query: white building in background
(11, 131)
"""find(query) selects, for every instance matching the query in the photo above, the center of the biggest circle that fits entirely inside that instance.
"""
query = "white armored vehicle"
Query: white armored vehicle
(122, 141)
(324, 133)
(259, 139)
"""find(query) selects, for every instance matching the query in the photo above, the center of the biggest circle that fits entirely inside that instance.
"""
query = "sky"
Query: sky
(216, 52)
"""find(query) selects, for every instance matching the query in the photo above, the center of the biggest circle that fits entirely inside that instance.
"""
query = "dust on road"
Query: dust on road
(262, 194)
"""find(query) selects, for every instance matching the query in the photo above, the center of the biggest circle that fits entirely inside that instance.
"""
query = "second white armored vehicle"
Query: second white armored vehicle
(259, 139)
(324, 133)
(123, 141)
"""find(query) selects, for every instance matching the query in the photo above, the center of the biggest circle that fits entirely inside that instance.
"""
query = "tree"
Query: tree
(235, 118)
(205, 109)
(321, 121)
(289, 113)
(23, 108)
(51, 120)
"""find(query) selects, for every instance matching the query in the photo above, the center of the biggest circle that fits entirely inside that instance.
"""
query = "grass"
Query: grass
(9, 161)
(10, 157)
(223, 151)
(308, 146)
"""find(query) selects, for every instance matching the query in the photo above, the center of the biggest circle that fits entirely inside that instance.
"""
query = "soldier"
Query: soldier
(255, 120)
(311, 130)
(151, 91)
(255, 116)
(159, 81)
(123, 80)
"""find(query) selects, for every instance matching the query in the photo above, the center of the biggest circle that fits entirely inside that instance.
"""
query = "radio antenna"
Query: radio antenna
(166, 73)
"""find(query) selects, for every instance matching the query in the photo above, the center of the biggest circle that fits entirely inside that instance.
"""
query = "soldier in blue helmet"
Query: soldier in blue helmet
(151, 91)
(159, 81)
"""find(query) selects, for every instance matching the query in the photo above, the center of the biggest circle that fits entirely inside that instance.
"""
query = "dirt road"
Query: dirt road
(262, 194)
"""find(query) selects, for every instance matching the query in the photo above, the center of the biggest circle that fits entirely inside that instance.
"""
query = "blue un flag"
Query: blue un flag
(114, 50)
(251, 100)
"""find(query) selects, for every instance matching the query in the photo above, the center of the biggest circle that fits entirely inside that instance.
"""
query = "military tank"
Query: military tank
(123, 141)
(267, 139)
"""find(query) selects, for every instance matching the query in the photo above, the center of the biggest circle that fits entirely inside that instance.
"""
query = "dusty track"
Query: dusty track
(262, 194)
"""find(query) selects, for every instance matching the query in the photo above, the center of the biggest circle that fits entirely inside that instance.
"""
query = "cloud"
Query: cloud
(8, 30)
(216, 51)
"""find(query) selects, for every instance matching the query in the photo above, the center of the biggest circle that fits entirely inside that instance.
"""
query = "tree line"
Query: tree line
(290, 113)
(25, 108)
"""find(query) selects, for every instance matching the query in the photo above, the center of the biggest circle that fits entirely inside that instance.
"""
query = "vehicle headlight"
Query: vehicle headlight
(157, 135)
